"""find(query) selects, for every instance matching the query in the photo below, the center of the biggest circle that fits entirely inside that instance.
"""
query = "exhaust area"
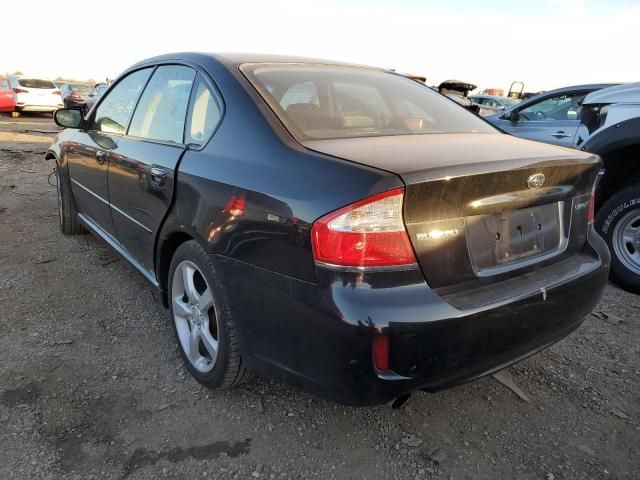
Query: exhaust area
(400, 401)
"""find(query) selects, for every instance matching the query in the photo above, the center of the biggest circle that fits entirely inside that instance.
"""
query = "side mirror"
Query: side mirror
(512, 116)
(68, 117)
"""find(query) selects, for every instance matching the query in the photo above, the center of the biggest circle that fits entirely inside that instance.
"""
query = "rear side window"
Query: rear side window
(80, 88)
(318, 102)
(114, 112)
(36, 83)
(4, 85)
(162, 110)
(204, 115)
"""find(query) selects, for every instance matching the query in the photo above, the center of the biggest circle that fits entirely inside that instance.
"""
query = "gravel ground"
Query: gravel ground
(92, 386)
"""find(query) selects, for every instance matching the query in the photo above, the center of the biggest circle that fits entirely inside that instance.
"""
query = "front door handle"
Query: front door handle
(101, 156)
(560, 134)
(158, 176)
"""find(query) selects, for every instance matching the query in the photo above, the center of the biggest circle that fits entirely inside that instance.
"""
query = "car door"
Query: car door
(551, 120)
(88, 154)
(6, 96)
(142, 168)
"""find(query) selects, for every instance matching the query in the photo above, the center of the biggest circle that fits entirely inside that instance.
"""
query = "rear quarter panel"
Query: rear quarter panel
(284, 186)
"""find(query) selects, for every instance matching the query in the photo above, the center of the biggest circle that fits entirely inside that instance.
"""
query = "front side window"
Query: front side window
(114, 112)
(204, 115)
(162, 110)
(561, 107)
(328, 101)
(4, 85)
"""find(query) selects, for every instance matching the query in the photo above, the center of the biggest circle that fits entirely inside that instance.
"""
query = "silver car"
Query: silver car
(492, 104)
(551, 117)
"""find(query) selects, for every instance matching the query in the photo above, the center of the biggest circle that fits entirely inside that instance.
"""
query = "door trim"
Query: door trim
(128, 217)
(91, 192)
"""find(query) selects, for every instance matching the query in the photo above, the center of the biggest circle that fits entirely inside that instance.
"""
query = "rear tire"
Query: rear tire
(618, 222)
(202, 321)
(67, 215)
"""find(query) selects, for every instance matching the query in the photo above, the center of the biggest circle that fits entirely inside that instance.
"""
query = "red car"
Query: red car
(7, 97)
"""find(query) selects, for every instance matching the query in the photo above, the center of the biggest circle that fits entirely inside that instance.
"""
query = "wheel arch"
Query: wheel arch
(621, 170)
(168, 242)
(618, 146)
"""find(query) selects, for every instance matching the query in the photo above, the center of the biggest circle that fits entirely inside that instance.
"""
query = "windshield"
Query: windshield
(326, 102)
(36, 83)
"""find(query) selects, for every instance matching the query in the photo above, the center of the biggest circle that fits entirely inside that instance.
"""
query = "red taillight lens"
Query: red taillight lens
(235, 206)
(368, 233)
(20, 90)
(57, 92)
(381, 352)
(592, 208)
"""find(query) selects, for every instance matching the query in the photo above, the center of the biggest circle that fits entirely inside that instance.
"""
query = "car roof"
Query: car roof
(550, 93)
(628, 92)
(236, 59)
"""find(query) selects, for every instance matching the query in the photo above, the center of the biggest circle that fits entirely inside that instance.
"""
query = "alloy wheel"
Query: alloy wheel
(195, 316)
(626, 241)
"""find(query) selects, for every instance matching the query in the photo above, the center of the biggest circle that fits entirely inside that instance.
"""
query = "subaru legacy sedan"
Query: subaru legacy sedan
(337, 227)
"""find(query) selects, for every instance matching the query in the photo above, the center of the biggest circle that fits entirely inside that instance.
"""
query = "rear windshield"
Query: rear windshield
(80, 87)
(36, 83)
(327, 102)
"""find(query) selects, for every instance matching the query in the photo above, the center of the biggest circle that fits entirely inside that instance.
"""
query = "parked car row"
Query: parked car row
(342, 228)
(19, 93)
(603, 119)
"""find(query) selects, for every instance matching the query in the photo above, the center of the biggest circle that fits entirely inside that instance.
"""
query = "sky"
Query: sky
(544, 43)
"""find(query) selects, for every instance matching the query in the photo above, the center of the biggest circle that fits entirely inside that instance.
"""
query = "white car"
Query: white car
(610, 127)
(35, 94)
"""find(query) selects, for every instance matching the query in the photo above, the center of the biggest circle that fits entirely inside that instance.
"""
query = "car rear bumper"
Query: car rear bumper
(319, 336)
(74, 103)
(37, 108)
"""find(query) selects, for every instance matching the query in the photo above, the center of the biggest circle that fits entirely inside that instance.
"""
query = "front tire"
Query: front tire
(68, 220)
(618, 222)
(203, 326)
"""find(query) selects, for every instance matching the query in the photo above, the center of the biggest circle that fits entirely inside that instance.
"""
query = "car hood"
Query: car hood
(419, 158)
(627, 93)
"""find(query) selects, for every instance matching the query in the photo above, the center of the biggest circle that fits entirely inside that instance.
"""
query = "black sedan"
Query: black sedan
(338, 227)
(75, 94)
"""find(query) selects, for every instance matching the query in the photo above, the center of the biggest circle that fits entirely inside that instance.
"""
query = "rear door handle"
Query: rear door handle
(101, 156)
(560, 134)
(158, 176)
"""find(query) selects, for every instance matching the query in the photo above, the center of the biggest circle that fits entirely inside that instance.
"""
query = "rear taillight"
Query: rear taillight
(380, 348)
(592, 208)
(591, 213)
(367, 233)
(20, 90)
(57, 92)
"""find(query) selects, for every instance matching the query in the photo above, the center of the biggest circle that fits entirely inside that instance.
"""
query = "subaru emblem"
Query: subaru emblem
(536, 180)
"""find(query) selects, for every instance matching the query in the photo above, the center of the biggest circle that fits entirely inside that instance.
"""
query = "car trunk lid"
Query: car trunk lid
(480, 208)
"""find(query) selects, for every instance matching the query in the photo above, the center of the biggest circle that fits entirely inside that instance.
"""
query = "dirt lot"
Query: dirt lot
(92, 386)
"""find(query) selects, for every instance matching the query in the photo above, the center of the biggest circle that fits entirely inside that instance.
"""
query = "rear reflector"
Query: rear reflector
(381, 352)
(592, 208)
(367, 233)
